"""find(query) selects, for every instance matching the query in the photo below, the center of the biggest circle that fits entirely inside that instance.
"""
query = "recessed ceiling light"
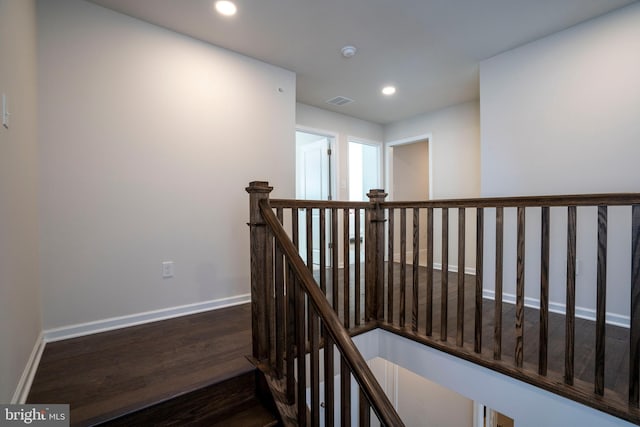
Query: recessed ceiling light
(226, 8)
(388, 90)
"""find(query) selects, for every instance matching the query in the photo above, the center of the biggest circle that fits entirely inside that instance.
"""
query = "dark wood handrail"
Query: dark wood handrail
(622, 199)
(617, 199)
(340, 336)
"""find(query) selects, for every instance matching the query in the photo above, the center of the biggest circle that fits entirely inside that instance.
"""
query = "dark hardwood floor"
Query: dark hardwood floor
(112, 373)
(617, 338)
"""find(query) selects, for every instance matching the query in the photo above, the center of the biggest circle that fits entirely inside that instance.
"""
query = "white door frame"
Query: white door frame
(389, 159)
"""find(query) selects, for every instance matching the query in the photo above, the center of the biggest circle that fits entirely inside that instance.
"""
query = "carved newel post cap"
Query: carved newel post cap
(376, 194)
(259, 187)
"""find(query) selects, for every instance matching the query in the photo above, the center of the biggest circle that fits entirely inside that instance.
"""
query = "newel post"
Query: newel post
(374, 256)
(258, 190)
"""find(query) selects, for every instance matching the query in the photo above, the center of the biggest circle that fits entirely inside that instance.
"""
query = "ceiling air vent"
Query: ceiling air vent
(339, 100)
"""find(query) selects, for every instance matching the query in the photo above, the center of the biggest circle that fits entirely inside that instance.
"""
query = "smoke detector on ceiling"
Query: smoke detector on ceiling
(348, 51)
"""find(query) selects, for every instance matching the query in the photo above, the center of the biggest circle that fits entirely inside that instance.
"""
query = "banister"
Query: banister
(387, 222)
(340, 336)
(618, 199)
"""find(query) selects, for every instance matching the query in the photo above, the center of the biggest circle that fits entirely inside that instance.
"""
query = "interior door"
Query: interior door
(313, 182)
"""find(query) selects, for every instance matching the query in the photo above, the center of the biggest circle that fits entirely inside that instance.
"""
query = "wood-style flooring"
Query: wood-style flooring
(617, 338)
(112, 373)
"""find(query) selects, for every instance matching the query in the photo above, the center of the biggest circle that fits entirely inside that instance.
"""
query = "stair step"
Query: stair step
(249, 414)
(215, 404)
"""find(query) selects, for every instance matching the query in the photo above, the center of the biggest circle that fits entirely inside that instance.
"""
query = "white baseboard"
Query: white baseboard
(26, 379)
(454, 268)
(555, 307)
(436, 265)
(72, 331)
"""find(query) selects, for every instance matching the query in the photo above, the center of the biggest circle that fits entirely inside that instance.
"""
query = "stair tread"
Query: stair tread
(250, 414)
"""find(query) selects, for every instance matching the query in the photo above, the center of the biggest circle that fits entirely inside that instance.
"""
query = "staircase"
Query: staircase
(240, 401)
(190, 370)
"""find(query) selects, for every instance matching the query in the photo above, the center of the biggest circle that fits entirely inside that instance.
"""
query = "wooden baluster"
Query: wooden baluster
(601, 301)
(280, 303)
(444, 274)
(309, 230)
(301, 338)
(365, 411)
(403, 264)
(570, 315)
(429, 309)
(415, 269)
(334, 259)
(291, 335)
(309, 238)
(329, 397)
(544, 292)
(270, 306)
(315, 365)
(345, 394)
(477, 342)
(295, 228)
(519, 350)
(323, 250)
(390, 272)
(258, 191)
(346, 287)
(356, 262)
(280, 326)
(461, 263)
(634, 343)
(497, 330)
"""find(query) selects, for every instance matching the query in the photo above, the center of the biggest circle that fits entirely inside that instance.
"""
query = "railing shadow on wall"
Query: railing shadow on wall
(411, 281)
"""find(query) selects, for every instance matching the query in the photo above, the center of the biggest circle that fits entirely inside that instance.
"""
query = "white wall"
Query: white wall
(560, 116)
(20, 312)
(421, 402)
(147, 141)
(309, 117)
(454, 145)
(454, 150)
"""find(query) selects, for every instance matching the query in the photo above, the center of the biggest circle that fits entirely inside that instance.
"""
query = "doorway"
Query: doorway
(314, 181)
(365, 165)
(409, 169)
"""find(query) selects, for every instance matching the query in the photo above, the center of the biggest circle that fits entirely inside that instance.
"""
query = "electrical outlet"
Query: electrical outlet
(5, 111)
(167, 269)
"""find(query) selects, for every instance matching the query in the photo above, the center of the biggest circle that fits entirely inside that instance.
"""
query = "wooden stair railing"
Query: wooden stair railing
(293, 322)
(404, 293)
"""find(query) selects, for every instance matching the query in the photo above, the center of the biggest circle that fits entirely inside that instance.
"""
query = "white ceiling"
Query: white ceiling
(429, 49)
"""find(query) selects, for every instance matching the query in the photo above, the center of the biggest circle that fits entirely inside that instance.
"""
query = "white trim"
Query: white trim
(478, 414)
(454, 268)
(29, 372)
(436, 265)
(556, 307)
(82, 329)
